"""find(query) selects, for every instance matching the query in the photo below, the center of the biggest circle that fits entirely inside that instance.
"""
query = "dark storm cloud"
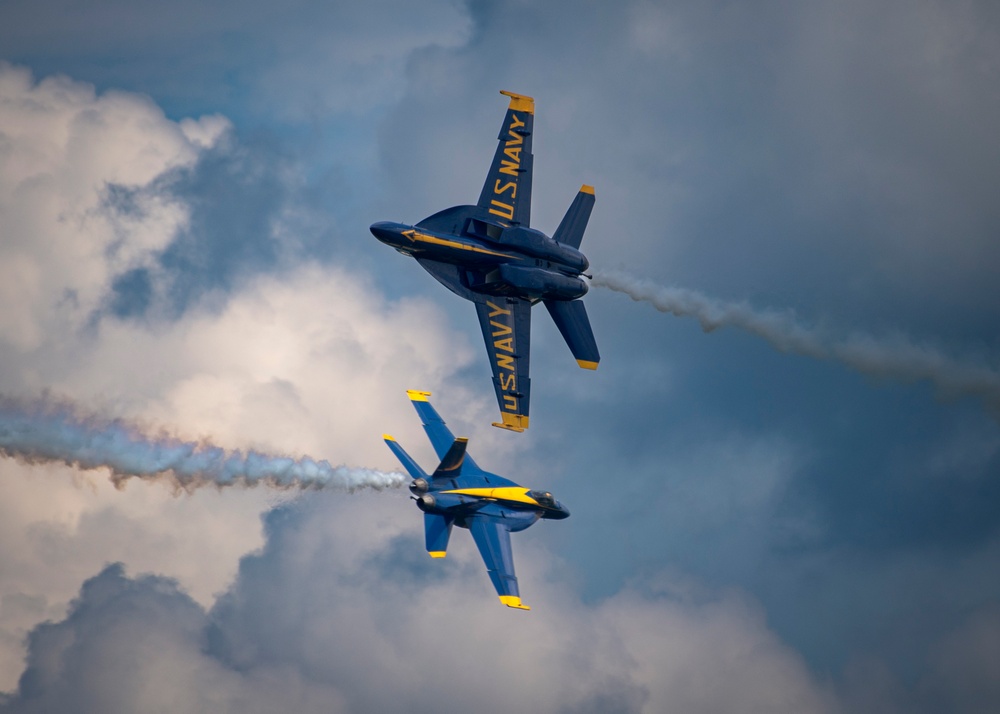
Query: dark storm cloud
(246, 59)
(249, 211)
(235, 193)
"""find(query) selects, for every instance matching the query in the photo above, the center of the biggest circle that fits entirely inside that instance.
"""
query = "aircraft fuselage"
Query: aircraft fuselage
(522, 262)
(489, 254)
(518, 506)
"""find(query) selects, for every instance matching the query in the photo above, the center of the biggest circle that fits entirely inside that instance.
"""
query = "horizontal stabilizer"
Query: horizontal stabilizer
(451, 464)
(571, 319)
(411, 466)
(574, 223)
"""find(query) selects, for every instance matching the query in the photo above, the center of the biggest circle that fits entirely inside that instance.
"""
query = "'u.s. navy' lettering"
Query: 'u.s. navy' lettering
(497, 310)
(503, 353)
(504, 210)
(511, 166)
(498, 189)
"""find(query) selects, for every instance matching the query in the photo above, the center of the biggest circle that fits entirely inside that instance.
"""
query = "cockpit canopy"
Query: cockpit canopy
(543, 497)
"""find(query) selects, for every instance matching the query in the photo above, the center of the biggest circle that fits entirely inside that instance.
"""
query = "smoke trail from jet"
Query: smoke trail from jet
(47, 431)
(888, 358)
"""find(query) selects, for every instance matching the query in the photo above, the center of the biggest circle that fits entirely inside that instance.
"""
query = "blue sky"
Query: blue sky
(186, 190)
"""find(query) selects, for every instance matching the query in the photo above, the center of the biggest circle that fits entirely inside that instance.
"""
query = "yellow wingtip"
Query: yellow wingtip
(512, 422)
(520, 102)
(388, 437)
(586, 365)
(587, 189)
(508, 427)
(437, 553)
(416, 395)
(513, 601)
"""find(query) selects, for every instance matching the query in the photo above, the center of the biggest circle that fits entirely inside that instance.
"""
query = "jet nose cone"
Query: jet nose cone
(561, 512)
(386, 231)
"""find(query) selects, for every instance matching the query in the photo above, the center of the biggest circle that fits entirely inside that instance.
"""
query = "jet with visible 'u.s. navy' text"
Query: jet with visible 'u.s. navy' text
(459, 493)
(488, 254)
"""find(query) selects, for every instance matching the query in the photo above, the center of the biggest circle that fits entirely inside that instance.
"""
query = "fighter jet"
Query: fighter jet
(459, 493)
(488, 254)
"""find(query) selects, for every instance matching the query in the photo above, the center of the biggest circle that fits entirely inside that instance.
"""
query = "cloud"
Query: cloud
(307, 361)
(314, 622)
(68, 160)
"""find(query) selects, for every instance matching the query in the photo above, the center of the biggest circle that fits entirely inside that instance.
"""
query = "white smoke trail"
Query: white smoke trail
(890, 358)
(48, 431)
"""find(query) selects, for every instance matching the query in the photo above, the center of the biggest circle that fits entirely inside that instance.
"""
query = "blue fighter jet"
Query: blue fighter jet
(459, 493)
(487, 254)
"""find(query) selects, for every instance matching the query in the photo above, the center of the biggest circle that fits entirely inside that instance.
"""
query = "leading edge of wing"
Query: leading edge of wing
(493, 540)
(506, 326)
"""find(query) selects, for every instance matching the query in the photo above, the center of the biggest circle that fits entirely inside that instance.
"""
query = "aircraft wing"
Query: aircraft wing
(493, 539)
(437, 431)
(506, 194)
(506, 325)
(448, 275)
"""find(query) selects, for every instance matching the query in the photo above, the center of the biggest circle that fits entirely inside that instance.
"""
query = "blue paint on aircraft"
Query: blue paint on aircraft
(459, 493)
(488, 254)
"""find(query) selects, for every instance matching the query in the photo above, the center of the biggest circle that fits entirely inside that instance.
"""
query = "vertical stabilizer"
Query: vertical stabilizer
(574, 223)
